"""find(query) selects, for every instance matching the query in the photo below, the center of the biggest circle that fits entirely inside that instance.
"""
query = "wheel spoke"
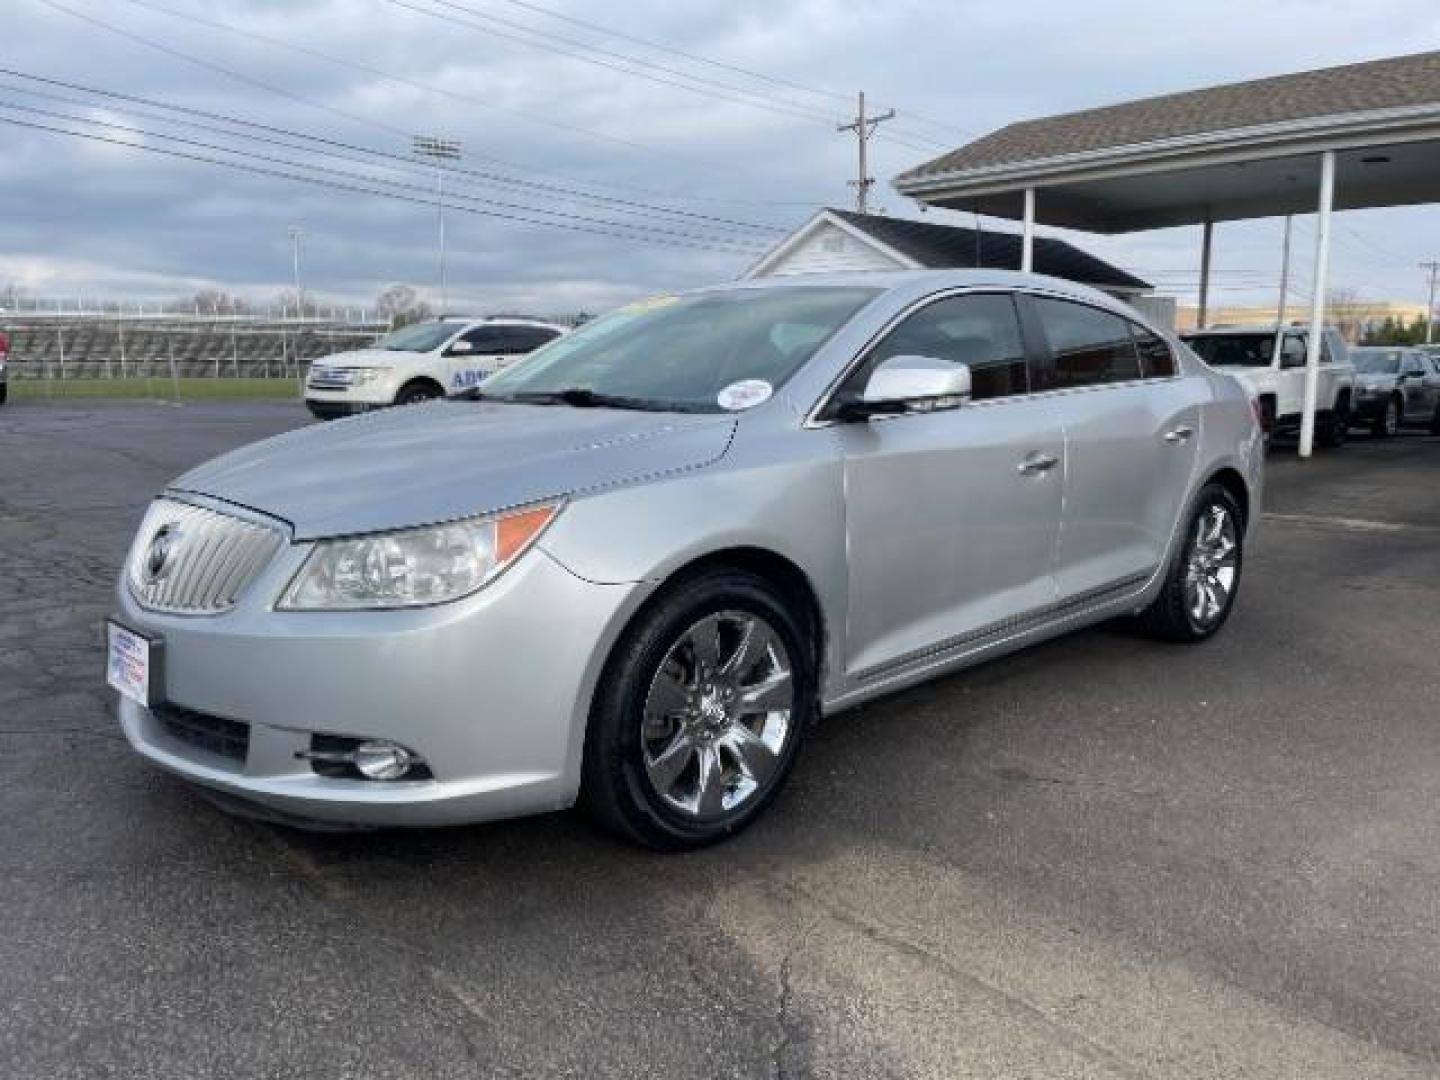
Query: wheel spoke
(775, 691)
(710, 785)
(754, 644)
(667, 766)
(752, 753)
(668, 694)
(704, 640)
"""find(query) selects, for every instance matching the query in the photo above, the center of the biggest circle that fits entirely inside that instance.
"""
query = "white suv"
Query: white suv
(420, 362)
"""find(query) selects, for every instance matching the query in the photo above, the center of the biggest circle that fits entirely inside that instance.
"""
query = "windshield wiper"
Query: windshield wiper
(581, 397)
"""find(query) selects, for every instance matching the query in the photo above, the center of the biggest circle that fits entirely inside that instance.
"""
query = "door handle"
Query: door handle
(1178, 435)
(1036, 464)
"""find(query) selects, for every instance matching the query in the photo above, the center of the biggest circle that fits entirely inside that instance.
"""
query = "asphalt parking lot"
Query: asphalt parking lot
(1101, 858)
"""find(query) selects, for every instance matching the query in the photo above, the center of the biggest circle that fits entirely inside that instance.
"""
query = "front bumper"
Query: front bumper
(492, 691)
(324, 409)
(1365, 408)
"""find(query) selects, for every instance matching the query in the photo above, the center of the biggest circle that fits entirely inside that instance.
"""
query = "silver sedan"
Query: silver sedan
(634, 569)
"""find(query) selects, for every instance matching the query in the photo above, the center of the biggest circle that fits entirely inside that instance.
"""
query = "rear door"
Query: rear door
(1419, 391)
(951, 516)
(1132, 425)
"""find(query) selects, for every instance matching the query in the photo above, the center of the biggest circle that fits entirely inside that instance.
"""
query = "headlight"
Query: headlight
(366, 375)
(414, 567)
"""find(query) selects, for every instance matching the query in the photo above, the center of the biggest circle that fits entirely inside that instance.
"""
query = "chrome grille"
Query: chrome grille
(210, 558)
(331, 378)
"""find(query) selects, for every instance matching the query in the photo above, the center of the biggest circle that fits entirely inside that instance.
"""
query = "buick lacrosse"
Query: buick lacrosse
(631, 569)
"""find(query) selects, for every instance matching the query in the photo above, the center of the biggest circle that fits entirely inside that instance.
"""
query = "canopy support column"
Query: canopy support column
(1027, 236)
(1202, 315)
(1317, 304)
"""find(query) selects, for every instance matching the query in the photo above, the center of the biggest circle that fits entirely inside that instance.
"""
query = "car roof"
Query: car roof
(1248, 328)
(494, 320)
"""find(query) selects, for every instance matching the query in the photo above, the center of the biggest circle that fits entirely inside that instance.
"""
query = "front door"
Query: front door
(951, 516)
(1132, 432)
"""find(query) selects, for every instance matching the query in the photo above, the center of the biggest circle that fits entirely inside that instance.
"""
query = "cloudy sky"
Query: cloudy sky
(622, 183)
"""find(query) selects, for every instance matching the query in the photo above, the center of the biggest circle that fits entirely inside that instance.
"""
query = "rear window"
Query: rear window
(1376, 363)
(1233, 350)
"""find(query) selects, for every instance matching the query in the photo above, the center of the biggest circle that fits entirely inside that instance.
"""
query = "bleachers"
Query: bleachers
(96, 347)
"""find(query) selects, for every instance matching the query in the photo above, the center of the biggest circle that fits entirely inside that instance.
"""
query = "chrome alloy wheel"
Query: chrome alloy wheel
(718, 713)
(1213, 565)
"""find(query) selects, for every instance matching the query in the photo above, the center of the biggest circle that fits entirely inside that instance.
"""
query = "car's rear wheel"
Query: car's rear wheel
(1204, 576)
(1388, 422)
(1435, 422)
(700, 713)
(417, 393)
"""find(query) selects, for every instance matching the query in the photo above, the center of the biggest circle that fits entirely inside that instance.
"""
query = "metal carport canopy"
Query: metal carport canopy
(1364, 135)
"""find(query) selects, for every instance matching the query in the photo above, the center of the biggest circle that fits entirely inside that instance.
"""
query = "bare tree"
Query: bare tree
(1350, 315)
(401, 305)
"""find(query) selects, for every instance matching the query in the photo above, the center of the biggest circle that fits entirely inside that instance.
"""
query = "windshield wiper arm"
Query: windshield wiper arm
(581, 397)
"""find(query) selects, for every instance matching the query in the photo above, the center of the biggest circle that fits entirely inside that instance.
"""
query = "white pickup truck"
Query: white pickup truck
(1249, 353)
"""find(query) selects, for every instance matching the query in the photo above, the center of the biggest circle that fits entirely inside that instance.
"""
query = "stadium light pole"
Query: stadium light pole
(439, 151)
(297, 237)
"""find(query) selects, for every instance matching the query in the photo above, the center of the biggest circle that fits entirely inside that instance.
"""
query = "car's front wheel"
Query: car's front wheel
(700, 713)
(417, 393)
(1200, 586)
(1388, 422)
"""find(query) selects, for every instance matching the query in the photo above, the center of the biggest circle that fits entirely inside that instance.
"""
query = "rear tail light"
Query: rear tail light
(4, 346)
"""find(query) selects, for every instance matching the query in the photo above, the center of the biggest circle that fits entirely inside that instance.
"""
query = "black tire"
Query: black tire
(1333, 433)
(1435, 422)
(4, 392)
(418, 392)
(616, 785)
(1388, 422)
(1170, 616)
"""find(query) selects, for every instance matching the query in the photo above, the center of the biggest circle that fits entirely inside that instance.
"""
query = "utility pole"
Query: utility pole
(297, 238)
(1434, 267)
(439, 151)
(864, 127)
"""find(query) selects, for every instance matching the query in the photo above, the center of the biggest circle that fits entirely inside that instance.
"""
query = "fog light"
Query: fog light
(343, 757)
(380, 760)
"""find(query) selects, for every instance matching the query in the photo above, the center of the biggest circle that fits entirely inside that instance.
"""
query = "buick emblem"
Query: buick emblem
(162, 546)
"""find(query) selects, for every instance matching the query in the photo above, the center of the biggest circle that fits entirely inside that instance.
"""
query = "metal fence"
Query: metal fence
(72, 345)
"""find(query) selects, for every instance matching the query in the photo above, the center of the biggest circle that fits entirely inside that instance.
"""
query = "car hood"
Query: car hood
(428, 463)
(365, 358)
(1376, 381)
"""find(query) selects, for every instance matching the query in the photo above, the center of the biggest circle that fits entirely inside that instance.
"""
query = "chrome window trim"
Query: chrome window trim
(813, 419)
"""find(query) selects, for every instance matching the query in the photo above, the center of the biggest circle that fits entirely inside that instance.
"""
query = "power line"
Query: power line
(774, 80)
(620, 205)
(638, 231)
(210, 65)
(364, 185)
(705, 87)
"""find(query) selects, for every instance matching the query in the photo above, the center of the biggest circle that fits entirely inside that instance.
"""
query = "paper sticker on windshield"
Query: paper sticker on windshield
(739, 396)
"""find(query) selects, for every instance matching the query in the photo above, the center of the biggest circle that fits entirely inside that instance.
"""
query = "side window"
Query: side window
(1157, 361)
(483, 339)
(1091, 346)
(1292, 353)
(981, 330)
(532, 337)
(1413, 366)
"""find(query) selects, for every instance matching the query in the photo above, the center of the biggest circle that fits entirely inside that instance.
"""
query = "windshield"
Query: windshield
(703, 353)
(419, 337)
(1233, 350)
(1376, 363)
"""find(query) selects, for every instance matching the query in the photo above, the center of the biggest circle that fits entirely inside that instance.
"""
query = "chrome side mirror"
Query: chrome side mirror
(904, 384)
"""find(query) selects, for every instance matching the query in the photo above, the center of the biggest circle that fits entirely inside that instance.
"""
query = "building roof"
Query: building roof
(1376, 85)
(935, 246)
